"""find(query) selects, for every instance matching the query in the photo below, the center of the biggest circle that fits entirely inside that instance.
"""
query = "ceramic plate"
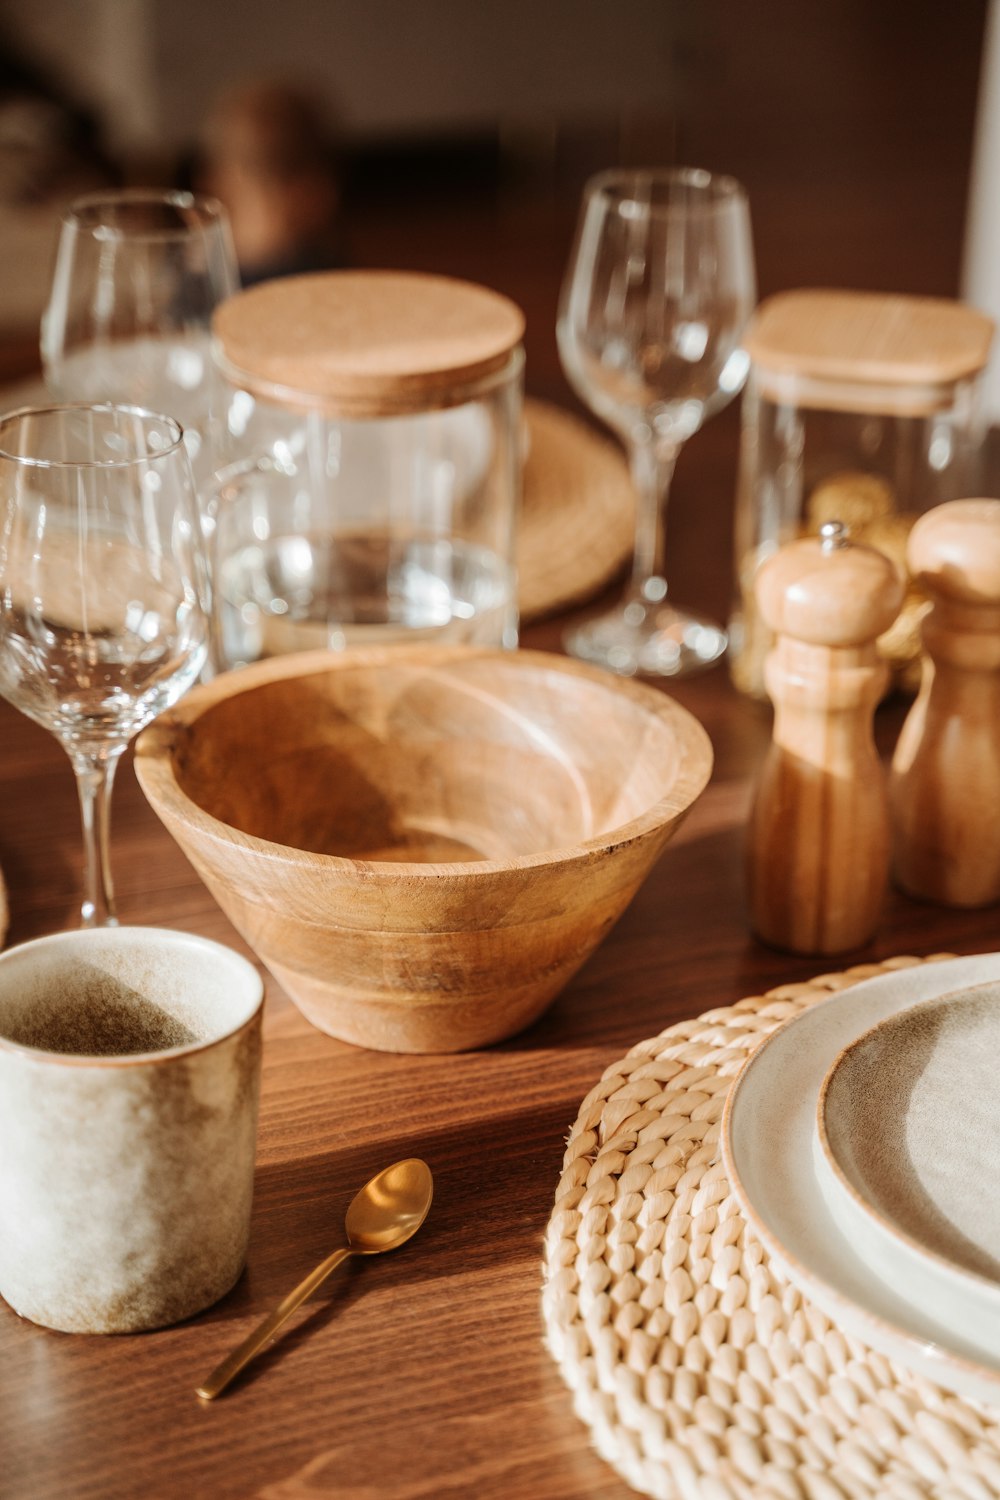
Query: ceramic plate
(908, 1125)
(770, 1148)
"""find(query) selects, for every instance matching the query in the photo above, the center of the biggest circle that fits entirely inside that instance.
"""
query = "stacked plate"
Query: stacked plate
(863, 1142)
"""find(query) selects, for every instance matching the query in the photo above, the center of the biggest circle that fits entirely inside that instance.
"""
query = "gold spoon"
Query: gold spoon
(382, 1216)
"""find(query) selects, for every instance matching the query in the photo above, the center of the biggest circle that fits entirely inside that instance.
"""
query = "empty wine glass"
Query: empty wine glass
(102, 591)
(138, 275)
(660, 286)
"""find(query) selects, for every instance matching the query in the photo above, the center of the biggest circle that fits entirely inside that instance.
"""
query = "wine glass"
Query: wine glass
(138, 275)
(660, 285)
(102, 591)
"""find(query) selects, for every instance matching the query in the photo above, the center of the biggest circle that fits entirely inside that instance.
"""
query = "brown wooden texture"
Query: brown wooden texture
(423, 843)
(869, 338)
(945, 783)
(422, 1375)
(819, 827)
(365, 343)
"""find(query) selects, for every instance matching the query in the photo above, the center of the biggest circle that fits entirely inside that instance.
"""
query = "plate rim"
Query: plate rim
(919, 1352)
(974, 1281)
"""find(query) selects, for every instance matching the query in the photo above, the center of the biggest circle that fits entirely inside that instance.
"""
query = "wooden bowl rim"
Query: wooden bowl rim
(154, 757)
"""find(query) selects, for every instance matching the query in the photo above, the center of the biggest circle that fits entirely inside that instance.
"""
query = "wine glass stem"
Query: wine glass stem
(95, 774)
(652, 467)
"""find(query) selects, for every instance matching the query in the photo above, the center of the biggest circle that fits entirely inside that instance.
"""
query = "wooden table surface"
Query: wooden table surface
(422, 1373)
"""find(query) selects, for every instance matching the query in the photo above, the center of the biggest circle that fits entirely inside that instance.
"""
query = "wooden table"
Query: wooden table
(421, 1374)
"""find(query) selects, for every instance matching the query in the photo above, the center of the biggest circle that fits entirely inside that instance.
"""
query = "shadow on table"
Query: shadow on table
(492, 1196)
(668, 958)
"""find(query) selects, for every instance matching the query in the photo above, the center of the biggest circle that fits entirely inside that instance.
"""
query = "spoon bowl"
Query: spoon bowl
(383, 1215)
(390, 1208)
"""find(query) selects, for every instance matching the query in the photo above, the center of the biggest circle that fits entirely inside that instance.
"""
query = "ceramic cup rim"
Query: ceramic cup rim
(162, 937)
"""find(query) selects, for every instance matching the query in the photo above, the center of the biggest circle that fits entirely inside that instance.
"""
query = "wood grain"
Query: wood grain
(884, 352)
(423, 843)
(945, 782)
(819, 829)
(422, 1375)
(368, 343)
(408, 1377)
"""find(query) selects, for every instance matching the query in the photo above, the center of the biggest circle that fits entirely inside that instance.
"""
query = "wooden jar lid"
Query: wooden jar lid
(367, 343)
(954, 551)
(829, 595)
(867, 343)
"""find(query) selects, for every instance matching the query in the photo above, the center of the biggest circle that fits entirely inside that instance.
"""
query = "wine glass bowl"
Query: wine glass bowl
(658, 291)
(138, 275)
(103, 619)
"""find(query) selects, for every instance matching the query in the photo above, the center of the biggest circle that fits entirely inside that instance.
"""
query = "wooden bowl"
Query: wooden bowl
(423, 843)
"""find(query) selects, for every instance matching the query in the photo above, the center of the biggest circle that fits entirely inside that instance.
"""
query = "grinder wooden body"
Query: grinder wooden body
(818, 855)
(945, 784)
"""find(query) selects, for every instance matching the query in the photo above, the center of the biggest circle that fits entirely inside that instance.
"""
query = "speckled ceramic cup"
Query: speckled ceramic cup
(129, 1082)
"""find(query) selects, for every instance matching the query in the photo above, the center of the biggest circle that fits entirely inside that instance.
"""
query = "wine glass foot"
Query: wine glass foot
(635, 641)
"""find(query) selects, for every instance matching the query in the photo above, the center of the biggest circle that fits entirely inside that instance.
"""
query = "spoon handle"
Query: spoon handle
(265, 1330)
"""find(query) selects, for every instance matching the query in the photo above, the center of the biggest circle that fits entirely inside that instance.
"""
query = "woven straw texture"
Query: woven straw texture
(578, 512)
(700, 1370)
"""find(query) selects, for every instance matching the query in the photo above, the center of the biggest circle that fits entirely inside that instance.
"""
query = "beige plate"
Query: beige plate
(772, 1155)
(909, 1129)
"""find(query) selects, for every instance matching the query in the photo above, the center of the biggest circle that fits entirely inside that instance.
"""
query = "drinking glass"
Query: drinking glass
(660, 286)
(102, 591)
(138, 275)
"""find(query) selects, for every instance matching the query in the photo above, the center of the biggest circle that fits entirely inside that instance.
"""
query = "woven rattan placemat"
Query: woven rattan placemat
(575, 531)
(701, 1372)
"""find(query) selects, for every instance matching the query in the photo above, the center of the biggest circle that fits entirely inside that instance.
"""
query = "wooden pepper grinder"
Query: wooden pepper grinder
(945, 782)
(819, 828)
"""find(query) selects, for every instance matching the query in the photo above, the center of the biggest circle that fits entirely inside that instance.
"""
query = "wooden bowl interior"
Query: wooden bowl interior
(464, 761)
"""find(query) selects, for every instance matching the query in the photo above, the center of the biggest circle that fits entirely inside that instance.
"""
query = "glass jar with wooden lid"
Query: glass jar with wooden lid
(862, 408)
(373, 429)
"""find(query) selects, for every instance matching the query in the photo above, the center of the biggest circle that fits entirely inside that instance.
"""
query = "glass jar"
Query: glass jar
(373, 434)
(861, 408)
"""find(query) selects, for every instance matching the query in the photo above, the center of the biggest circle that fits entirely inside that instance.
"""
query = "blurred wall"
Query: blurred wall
(851, 122)
(389, 66)
(100, 51)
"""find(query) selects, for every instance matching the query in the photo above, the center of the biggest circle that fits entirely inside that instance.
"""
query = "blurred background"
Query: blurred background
(456, 137)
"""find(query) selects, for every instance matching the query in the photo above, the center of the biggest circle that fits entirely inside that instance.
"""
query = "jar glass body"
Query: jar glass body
(874, 458)
(333, 530)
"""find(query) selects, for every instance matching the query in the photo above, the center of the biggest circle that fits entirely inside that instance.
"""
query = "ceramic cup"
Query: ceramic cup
(129, 1082)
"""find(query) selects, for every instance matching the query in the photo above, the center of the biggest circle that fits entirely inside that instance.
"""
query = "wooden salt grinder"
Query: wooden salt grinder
(818, 857)
(945, 783)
